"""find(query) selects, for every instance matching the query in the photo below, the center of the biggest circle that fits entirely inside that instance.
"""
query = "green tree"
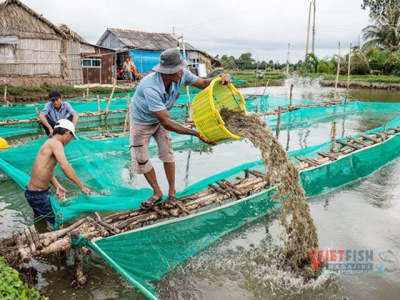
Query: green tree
(384, 32)
(378, 6)
(246, 61)
(359, 62)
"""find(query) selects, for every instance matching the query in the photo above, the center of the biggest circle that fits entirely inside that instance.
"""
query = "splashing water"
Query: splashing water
(304, 82)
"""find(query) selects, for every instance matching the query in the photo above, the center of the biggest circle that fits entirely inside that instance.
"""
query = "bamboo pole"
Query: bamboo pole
(291, 95)
(5, 95)
(333, 146)
(265, 89)
(337, 74)
(127, 114)
(278, 123)
(348, 76)
(109, 100)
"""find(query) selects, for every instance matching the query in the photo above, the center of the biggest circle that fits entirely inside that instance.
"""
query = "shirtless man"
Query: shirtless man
(37, 191)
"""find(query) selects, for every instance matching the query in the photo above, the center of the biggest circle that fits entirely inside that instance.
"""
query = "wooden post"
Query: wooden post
(348, 77)
(337, 74)
(333, 147)
(291, 95)
(288, 140)
(287, 60)
(87, 91)
(278, 123)
(127, 114)
(265, 89)
(109, 100)
(98, 103)
(5, 95)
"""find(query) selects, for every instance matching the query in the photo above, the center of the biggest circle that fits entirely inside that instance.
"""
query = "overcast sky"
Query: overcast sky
(262, 27)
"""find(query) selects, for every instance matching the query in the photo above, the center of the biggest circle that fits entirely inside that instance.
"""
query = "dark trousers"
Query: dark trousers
(52, 123)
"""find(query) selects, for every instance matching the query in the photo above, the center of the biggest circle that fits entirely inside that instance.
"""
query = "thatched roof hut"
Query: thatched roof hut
(33, 50)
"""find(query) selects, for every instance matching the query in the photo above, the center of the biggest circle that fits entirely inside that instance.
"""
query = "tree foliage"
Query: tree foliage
(378, 6)
(384, 32)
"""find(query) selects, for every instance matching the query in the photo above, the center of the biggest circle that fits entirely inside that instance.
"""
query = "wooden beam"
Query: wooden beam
(368, 137)
(349, 144)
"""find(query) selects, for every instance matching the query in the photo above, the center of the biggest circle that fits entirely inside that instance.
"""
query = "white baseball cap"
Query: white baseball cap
(66, 124)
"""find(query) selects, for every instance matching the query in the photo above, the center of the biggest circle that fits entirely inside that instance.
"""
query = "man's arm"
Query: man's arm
(58, 151)
(75, 118)
(170, 125)
(203, 83)
(60, 191)
(44, 121)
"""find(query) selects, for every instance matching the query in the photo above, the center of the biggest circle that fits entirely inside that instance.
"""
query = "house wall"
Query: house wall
(47, 59)
(106, 73)
(71, 64)
(111, 42)
(145, 60)
(32, 57)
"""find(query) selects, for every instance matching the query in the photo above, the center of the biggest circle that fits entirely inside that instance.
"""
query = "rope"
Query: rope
(79, 242)
(35, 220)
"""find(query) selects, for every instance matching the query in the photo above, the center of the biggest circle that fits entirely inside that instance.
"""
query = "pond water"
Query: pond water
(364, 215)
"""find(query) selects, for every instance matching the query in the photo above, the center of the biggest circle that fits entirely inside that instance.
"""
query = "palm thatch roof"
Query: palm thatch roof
(17, 19)
(72, 34)
(134, 39)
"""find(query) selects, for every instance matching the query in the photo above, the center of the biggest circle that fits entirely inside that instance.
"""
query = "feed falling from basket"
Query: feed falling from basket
(299, 234)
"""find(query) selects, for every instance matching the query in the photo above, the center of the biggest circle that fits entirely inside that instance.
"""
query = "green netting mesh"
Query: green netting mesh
(150, 252)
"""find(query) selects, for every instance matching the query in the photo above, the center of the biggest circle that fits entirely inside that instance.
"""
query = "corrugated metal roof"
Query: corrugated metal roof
(135, 39)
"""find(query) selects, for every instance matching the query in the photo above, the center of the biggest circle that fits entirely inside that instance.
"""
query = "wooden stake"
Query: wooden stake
(127, 114)
(291, 95)
(337, 74)
(5, 95)
(265, 89)
(333, 147)
(109, 100)
(278, 123)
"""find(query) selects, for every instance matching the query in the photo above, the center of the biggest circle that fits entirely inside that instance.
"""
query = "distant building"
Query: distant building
(145, 48)
(33, 50)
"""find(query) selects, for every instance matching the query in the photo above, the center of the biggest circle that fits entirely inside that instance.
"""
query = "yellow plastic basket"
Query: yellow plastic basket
(206, 106)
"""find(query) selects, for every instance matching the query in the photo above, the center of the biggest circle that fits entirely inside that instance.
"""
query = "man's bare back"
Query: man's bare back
(43, 168)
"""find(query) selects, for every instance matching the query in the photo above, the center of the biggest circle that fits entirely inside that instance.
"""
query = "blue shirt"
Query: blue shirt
(65, 111)
(150, 96)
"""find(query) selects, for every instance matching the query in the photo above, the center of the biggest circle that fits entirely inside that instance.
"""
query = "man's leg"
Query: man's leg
(51, 122)
(139, 138)
(152, 180)
(170, 173)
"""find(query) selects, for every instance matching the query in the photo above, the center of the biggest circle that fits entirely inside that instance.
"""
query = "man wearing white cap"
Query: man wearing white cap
(154, 97)
(37, 191)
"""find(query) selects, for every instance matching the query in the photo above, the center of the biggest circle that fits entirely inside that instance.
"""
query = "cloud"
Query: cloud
(261, 27)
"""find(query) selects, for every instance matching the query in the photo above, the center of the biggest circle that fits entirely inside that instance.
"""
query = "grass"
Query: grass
(63, 89)
(362, 78)
(275, 78)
